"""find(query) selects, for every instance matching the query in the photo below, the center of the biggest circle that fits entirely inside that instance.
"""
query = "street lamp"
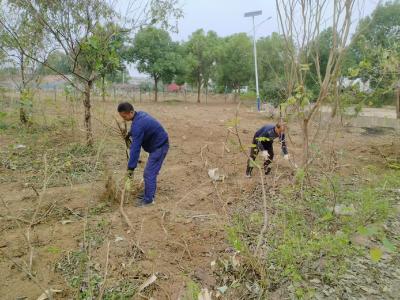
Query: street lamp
(254, 14)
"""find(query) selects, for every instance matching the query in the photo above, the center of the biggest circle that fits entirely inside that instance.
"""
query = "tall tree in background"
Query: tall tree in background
(235, 67)
(59, 60)
(202, 55)
(272, 60)
(374, 52)
(155, 54)
(20, 53)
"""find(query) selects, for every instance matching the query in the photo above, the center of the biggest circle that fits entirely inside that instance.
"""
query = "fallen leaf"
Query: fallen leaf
(222, 289)
(65, 222)
(214, 175)
(148, 282)
(19, 146)
(118, 239)
(204, 295)
(315, 280)
(45, 295)
(388, 245)
(376, 254)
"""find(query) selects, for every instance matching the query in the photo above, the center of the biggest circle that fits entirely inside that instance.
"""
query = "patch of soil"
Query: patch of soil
(180, 235)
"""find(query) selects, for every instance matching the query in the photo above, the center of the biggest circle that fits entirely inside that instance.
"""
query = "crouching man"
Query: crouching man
(262, 142)
(147, 133)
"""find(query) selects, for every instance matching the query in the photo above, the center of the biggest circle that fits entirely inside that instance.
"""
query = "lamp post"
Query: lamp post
(254, 14)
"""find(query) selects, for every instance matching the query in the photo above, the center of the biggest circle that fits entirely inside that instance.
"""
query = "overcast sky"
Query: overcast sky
(225, 17)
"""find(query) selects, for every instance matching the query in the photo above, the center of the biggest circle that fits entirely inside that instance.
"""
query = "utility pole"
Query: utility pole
(253, 14)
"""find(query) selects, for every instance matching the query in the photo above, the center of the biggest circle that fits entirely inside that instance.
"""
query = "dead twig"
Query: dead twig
(29, 274)
(123, 133)
(264, 192)
(125, 216)
(103, 284)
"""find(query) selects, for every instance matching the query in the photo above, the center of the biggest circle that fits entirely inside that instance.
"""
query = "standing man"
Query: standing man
(148, 133)
(263, 140)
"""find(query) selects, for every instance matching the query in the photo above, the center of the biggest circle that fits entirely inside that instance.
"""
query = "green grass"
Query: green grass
(307, 240)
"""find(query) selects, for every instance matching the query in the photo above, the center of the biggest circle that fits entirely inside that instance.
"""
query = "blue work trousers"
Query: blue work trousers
(151, 171)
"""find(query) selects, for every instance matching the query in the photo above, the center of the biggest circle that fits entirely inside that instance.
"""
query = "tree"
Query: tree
(318, 55)
(202, 55)
(60, 62)
(374, 52)
(70, 25)
(300, 23)
(271, 61)
(235, 63)
(102, 52)
(19, 53)
(155, 54)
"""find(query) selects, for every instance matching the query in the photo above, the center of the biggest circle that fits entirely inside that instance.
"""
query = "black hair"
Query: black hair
(125, 107)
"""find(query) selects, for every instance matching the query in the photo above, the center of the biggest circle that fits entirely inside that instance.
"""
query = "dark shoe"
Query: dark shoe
(143, 203)
(248, 172)
(267, 170)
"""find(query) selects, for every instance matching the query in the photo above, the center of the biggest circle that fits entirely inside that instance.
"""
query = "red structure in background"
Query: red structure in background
(174, 88)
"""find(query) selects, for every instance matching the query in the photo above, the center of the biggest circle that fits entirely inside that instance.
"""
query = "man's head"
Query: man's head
(280, 128)
(126, 111)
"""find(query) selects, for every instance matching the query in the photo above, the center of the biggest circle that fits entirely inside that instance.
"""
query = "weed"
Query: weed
(192, 290)
(309, 240)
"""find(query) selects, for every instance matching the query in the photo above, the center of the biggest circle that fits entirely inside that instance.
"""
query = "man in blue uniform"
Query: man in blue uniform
(262, 141)
(147, 133)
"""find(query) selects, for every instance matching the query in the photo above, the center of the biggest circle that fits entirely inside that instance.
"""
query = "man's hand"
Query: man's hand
(265, 154)
(286, 157)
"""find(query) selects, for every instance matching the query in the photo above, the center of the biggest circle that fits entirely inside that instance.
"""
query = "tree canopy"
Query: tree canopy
(155, 54)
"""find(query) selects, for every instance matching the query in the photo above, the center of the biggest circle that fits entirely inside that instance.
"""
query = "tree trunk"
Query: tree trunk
(22, 93)
(305, 142)
(206, 93)
(22, 115)
(155, 89)
(237, 93)
(198, 88)
(88, 120)
(398, 103)
(103, 88)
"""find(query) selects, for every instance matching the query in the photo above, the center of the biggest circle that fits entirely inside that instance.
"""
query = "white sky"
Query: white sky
(225, 17)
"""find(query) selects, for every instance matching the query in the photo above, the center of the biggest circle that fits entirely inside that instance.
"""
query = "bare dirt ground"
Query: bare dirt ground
(180, 236)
